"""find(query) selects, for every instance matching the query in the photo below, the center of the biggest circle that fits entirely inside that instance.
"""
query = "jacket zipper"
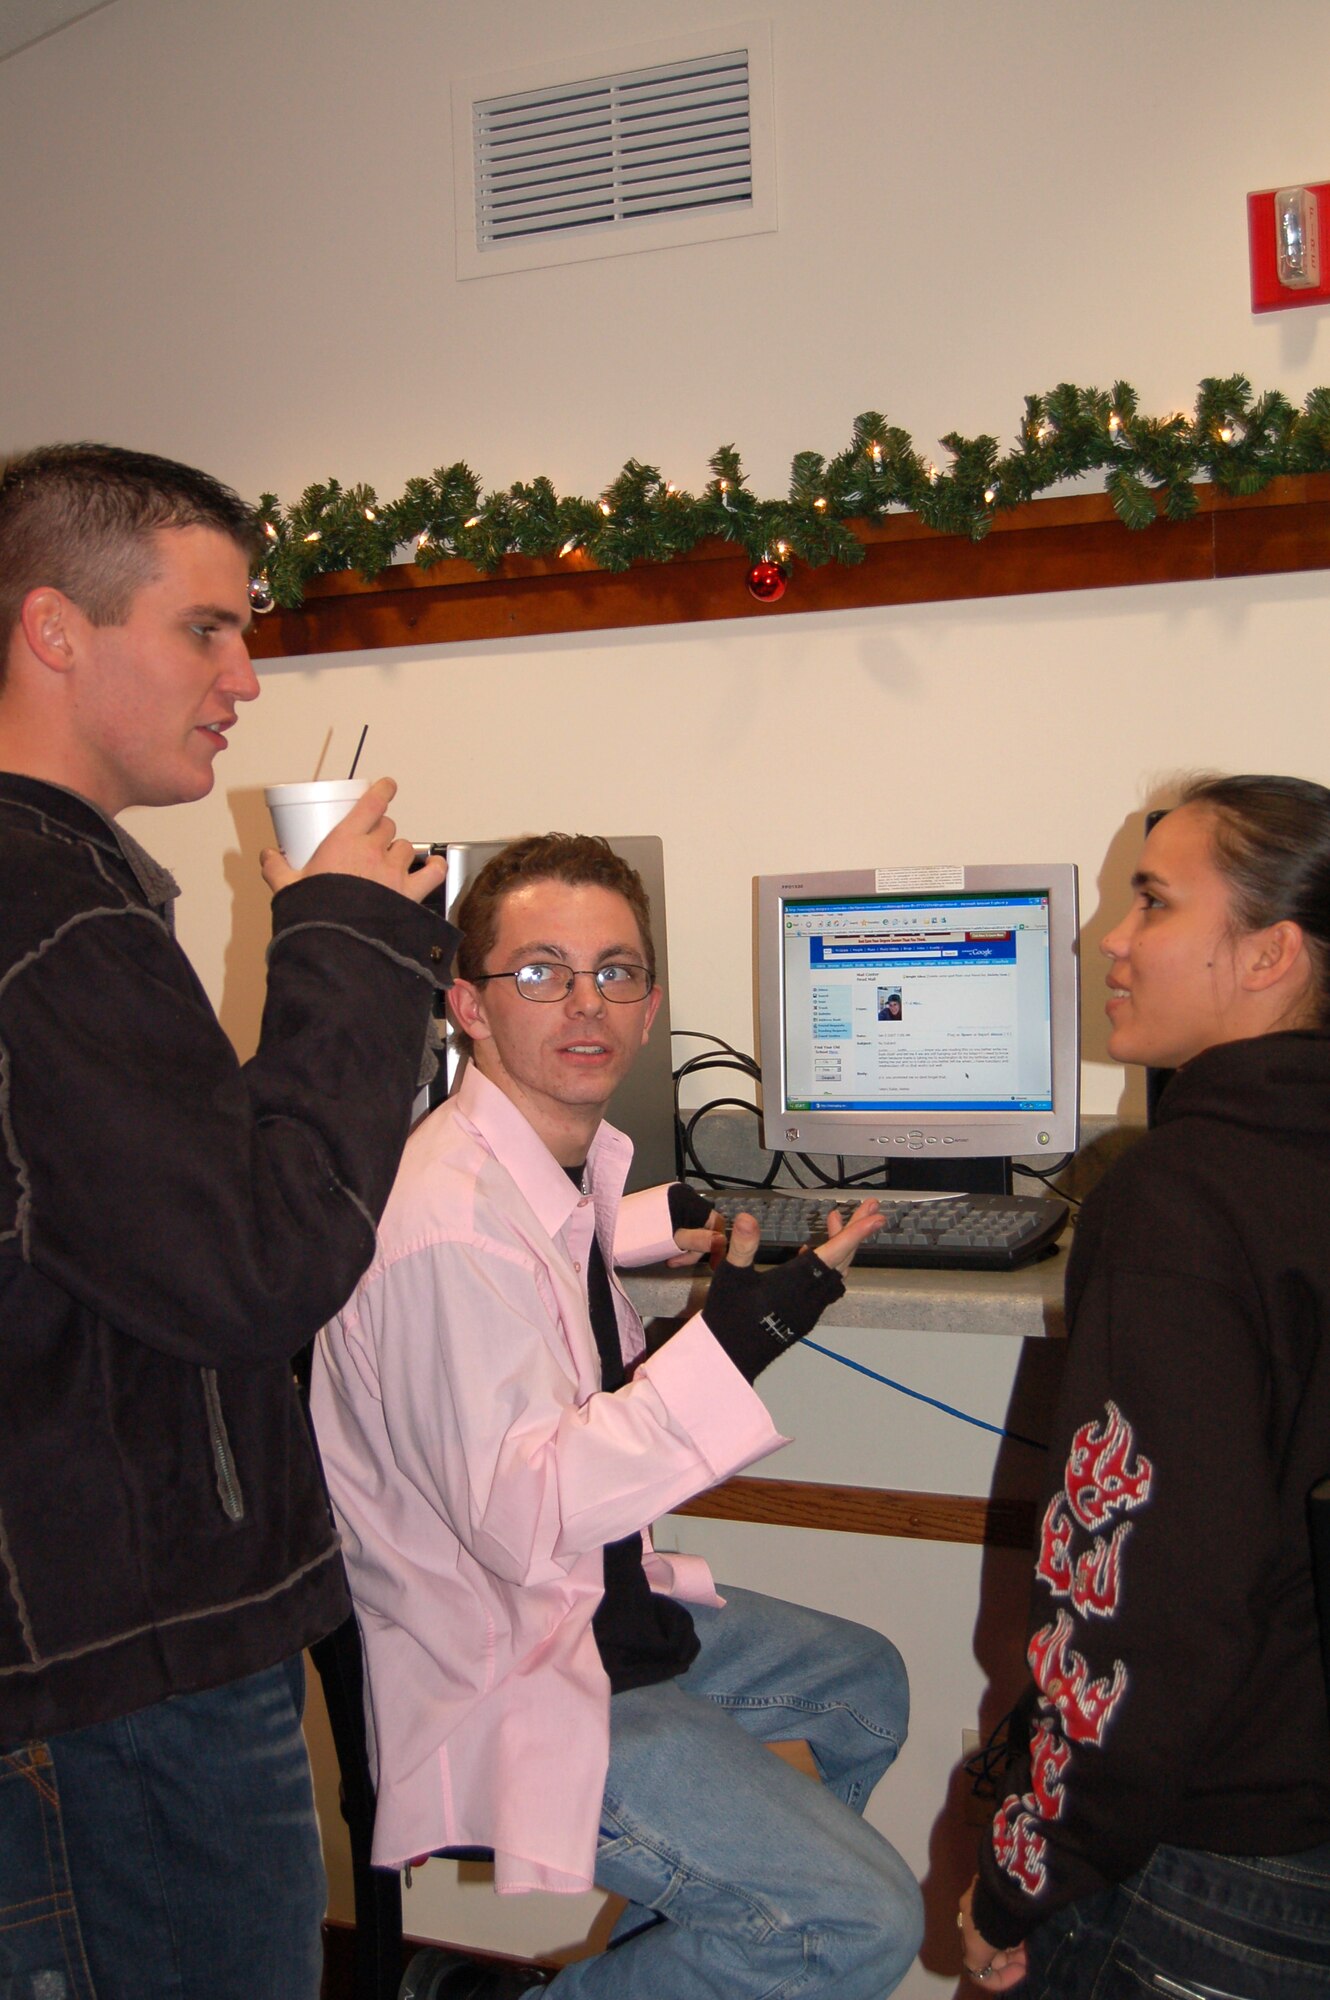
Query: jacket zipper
(228, 1480)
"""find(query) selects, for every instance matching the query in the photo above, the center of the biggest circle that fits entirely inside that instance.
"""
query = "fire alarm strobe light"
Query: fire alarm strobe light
(1284, 239)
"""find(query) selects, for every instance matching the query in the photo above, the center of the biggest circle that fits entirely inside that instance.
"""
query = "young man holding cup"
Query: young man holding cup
(173, 1228)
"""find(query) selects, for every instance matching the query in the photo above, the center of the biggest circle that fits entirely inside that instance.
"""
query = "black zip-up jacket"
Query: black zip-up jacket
(173, 1228)
(1178, 1694)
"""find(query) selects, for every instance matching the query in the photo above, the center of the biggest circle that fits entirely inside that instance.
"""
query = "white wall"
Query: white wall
(227, 235)
(1011, 731)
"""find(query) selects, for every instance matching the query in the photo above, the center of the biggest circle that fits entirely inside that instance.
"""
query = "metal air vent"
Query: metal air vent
(572, 166)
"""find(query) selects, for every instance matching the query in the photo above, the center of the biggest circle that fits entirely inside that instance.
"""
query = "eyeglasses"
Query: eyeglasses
(621, 983)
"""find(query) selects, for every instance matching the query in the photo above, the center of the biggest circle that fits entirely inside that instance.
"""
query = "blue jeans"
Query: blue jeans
(743, 1877)
(41, 1951)
(170, 1855)
(1193, 1926)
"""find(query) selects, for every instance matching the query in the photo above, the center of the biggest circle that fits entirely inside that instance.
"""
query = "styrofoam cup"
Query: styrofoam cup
(303, 814)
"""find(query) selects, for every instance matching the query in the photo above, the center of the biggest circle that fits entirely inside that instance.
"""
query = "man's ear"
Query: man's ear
(466, 1004)
(1267, 958)
(48, 621)
(650, 1012)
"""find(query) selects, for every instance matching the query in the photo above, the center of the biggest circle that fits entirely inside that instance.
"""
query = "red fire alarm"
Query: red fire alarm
(1289, 264)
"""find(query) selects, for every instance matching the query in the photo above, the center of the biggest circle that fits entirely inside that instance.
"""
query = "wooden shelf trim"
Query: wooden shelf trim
(869, 1510)
(1074, 543)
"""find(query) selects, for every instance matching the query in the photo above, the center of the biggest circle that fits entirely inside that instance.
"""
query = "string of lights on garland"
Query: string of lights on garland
(1236, 440)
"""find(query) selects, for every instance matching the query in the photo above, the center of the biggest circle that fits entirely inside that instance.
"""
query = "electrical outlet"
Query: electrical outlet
(971, 1743)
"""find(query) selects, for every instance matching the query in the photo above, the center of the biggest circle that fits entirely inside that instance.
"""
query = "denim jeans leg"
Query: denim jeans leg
(784, 1672)
(767, 1885)
(193, 1846)
(1194, 1926)
(41, 1951)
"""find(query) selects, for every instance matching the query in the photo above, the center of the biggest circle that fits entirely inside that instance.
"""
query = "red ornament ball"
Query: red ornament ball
(767, 581)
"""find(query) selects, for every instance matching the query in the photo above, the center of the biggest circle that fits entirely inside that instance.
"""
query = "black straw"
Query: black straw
(356, 759)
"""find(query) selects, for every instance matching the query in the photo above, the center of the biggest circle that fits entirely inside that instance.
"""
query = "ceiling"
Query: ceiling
(23, 22)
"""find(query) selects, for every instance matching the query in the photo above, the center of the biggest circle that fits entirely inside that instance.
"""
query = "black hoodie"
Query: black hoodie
(1178, 1694)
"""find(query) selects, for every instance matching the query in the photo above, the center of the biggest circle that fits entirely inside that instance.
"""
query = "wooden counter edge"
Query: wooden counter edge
(869, 1510)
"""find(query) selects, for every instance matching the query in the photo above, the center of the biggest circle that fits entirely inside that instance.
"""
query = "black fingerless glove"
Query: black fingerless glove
(756, 1315)
(688, 1208)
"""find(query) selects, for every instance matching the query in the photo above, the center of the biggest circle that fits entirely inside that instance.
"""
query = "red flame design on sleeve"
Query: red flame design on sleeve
(1050, 1755)
(1063, 1675)
(1098, 1578)
(1018, 1846)
(1053, 1564)
(1105, 1477)
(1102, 1478)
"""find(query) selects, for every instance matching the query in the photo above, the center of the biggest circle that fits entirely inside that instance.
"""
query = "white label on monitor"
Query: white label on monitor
(889, 880)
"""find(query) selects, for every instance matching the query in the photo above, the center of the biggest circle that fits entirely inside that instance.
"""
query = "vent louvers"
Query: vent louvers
(614, 150)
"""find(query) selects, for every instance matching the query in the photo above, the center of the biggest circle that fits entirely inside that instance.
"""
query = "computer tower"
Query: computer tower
(643, 1106)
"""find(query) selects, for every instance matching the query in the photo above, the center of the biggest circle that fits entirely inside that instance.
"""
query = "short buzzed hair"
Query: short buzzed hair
(582, 860)
(82, 517)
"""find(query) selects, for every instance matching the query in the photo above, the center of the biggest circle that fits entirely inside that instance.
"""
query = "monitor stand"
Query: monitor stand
(949, 1176)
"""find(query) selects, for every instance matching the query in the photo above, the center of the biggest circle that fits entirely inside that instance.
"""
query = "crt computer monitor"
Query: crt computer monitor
(925, 1017)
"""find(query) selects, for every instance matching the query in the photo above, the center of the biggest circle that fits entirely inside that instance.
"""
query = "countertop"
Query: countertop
(1026, 1303)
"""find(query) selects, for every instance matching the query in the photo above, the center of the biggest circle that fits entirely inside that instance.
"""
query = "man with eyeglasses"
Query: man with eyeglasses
(541, 1682)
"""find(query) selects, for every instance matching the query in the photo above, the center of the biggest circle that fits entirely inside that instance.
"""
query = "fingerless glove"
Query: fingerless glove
(688, 1208)
(756, 1315)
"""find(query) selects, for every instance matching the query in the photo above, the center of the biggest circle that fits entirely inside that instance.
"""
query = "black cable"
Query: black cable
(722, 1182)
(697, 1035)
(721, 1056)
(1048, 1175)
(988, 1767)
(1045, 1173)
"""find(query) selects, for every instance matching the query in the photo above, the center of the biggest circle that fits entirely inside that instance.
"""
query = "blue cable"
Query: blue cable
(920, 1397)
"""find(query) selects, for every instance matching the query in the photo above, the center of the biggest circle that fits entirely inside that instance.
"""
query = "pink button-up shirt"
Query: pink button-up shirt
(478, 1470)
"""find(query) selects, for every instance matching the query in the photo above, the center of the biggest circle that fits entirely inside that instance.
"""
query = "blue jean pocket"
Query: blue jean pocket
(41, 1948)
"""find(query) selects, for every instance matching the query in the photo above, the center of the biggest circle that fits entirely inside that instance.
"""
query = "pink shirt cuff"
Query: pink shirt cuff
(642, 1232)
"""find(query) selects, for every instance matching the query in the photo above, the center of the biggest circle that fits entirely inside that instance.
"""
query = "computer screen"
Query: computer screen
(926, 1016)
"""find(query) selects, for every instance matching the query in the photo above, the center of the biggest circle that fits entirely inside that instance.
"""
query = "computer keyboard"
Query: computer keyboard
(953, 1232)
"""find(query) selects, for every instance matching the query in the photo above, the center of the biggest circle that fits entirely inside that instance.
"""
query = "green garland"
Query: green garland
(1238, 441)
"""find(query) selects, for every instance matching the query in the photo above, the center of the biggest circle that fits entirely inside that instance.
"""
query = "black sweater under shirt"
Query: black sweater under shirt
(643, 1637)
